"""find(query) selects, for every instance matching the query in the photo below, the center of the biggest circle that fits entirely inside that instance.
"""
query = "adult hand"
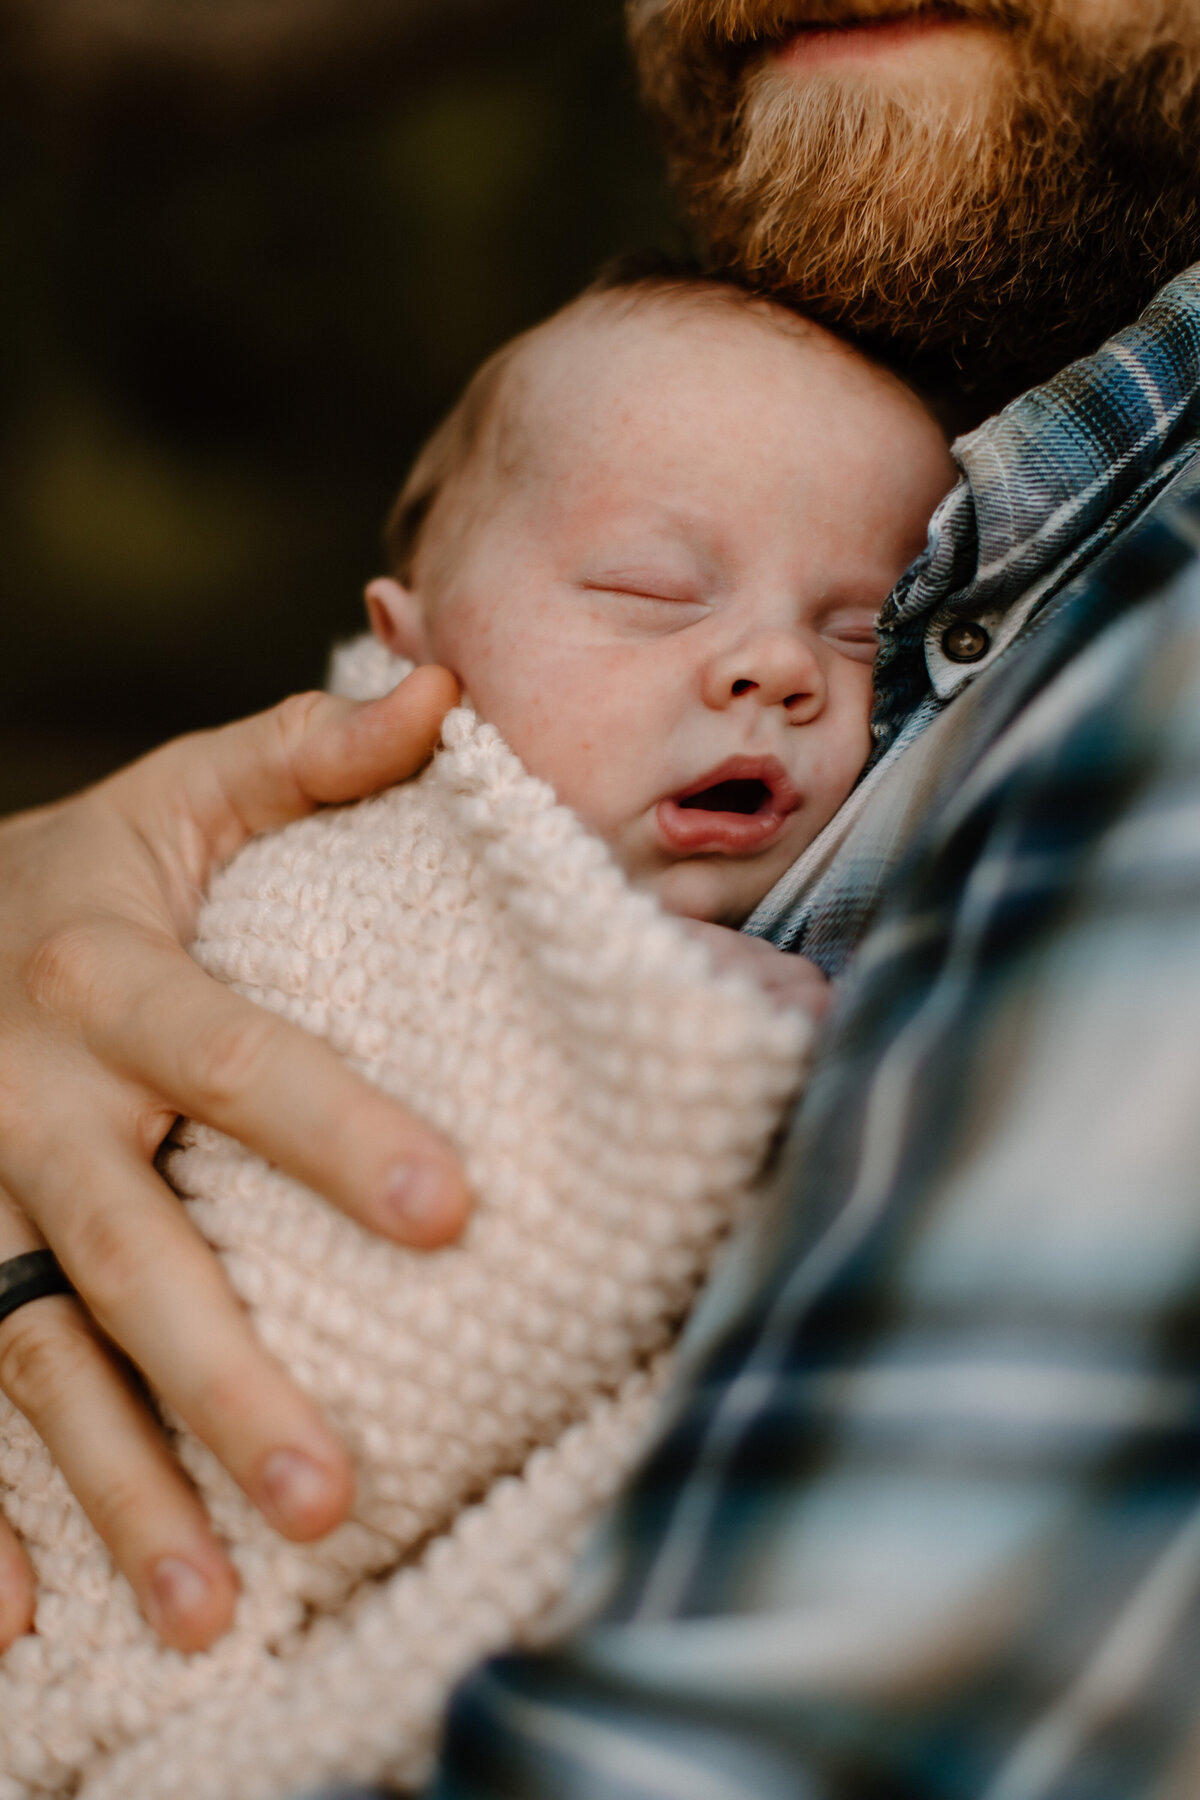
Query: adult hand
(108, 1031)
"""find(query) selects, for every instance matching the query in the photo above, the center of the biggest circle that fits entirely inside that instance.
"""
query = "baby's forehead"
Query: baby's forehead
(600, 331)
(629, 348)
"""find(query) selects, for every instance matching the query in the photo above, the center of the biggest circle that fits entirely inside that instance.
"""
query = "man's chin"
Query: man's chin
(869, 191)
(988, 198)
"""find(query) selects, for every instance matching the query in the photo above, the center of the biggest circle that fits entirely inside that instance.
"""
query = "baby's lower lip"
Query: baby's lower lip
(692, 832)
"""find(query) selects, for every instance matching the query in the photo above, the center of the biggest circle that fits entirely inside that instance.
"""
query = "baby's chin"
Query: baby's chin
(708, 888)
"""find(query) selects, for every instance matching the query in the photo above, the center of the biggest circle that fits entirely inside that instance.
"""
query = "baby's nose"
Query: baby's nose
(777, 668)
(745, 686)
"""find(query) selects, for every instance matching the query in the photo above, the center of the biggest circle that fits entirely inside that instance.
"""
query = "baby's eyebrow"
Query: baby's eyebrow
(658, 531)
(612, 499)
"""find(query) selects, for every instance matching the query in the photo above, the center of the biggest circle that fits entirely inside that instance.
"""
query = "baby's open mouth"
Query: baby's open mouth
(732, 811)
(747, 797)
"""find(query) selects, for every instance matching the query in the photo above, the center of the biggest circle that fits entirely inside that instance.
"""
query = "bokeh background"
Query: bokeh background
(250, 251)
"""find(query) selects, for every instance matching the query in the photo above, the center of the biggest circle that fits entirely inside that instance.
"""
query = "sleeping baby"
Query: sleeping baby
(651, 541)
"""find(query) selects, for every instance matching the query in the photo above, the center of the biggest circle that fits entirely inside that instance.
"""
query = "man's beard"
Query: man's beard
(1002, 237)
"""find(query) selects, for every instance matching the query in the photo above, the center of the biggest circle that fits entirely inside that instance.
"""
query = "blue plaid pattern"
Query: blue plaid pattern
(924, 1519)
(1045, 487)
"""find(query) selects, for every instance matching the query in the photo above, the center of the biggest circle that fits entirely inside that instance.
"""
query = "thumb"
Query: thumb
(345, 754)
(196, 800)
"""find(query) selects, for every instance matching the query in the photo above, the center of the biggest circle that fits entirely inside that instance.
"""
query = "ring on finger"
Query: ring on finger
(31, 1276)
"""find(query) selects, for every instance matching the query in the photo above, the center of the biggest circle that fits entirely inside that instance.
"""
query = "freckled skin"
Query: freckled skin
(687, 569)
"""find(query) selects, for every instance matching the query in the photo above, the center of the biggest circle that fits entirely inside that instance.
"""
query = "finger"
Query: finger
(18, 1592)
(18, 1587)
(215, 1056)
(55, 1370)
(312, 750)
(118, 1232)
(345, 754)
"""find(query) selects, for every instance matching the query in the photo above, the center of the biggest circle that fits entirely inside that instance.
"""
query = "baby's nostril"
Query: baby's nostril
(744, 687)
(791, 700)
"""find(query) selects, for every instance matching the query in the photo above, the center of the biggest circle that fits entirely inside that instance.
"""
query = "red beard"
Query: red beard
(1001, 235)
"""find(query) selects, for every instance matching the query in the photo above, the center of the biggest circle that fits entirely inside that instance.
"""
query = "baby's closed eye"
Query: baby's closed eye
(853, 633)
(644, 604)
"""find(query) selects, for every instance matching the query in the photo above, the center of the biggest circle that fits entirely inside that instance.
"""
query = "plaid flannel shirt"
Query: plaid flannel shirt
(924, 1518)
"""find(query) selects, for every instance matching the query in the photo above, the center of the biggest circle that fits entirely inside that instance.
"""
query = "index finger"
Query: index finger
(221, 1059)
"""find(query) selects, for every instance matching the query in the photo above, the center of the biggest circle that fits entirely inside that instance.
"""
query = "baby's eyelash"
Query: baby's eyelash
(632, 590)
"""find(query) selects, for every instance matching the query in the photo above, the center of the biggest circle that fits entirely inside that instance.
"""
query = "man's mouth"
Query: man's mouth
(845, 32)
(777, 22)
(734, 810)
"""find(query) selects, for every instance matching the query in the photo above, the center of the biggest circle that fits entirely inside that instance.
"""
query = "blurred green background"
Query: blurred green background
(250, 251)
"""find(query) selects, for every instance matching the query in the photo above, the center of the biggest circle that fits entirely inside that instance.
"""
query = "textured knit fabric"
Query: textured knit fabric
(1045, 486)
(926, 1524)
(465, 943)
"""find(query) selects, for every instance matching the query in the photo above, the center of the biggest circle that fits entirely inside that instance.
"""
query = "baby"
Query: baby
(651, 540)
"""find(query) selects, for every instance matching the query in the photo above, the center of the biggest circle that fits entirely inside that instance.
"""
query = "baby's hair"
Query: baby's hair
(480, 414)
(447, 454)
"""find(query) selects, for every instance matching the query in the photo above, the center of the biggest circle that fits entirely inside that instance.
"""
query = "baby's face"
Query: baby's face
(668, 608)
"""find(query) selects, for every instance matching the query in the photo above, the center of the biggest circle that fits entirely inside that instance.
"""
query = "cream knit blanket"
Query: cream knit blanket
(465, 943)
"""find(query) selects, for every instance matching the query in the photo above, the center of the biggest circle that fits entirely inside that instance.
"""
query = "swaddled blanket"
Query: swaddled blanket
(465, 943)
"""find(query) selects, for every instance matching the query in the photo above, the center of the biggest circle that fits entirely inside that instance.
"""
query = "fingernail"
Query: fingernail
(178, 1593)
(416, 1197)
(297, 1490)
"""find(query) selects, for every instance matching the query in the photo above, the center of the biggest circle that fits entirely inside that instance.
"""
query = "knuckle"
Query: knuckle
(118, 1258)
(229, 1058)
(293, 719)
(65, 971)
(150, 1125)
(118, 1503)
(45, 1354)
(225, 1398)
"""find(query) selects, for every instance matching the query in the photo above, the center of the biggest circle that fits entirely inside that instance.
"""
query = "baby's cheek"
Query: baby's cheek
(583, 778)
(589, 773)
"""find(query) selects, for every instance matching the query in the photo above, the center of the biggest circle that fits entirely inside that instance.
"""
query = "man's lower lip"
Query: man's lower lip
(816, 44)
(687, 831)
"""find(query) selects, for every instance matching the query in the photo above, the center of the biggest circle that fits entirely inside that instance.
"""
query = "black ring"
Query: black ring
(30, 1277)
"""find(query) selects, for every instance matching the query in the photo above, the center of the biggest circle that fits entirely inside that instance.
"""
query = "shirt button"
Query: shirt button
(965, 642)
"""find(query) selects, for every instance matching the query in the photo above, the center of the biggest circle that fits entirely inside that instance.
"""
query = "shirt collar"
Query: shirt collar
(1044, 485)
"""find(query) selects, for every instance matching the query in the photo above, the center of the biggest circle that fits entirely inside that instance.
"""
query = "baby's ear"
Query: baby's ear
(398, 619)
